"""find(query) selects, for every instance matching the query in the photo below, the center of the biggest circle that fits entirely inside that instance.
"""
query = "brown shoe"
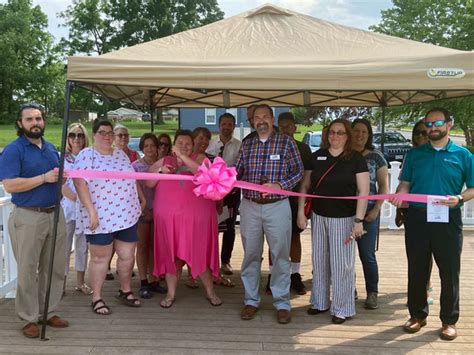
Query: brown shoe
(31, 330)
(57, 322)
(448, 332)
(283, 316)
(414, 325)
(248, 312)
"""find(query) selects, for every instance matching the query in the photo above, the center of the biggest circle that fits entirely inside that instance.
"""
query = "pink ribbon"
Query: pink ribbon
(215, 180)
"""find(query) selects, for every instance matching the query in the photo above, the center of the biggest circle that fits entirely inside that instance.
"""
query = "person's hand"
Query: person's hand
(271, 185)
(51, 176)
(396, 202)
(147, 214)
(371, 215)
(358, 230)
(451, 201)
(93, 219)
(168, 169)
(176, 151)
(301, 220)
(220, 206)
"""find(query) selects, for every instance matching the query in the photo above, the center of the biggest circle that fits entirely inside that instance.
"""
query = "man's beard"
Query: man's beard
(263, 127)
(437, 135)
(33, 135)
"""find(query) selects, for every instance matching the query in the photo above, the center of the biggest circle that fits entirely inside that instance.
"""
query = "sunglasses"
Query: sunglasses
(437, 123)
(163, 144)
(417, 133)
(339, 133)
(122, 135)
(31, 105)
(105, 133)
(76, 135)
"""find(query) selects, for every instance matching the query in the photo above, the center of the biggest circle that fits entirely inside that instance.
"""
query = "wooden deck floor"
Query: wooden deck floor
(192, 326)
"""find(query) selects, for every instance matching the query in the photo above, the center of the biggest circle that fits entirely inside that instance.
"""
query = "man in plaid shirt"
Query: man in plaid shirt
(273, 160)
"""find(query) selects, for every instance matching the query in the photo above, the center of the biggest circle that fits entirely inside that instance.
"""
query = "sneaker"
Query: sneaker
(371, 301)
(268, 290)
(297, 284)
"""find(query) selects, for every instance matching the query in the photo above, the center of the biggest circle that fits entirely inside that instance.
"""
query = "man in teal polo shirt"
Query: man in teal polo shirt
(28, 172)
(439, 167)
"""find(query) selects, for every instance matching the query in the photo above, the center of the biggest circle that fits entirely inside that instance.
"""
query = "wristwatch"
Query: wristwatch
(358, 220)
(460, 198)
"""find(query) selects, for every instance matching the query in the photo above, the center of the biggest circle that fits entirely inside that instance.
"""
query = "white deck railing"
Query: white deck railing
(388, 212)
(8, 271)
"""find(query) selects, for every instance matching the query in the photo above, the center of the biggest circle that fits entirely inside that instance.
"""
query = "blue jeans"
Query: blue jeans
(366, 246)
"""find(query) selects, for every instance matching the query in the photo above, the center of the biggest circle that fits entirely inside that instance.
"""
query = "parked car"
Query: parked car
(313, 139)
(134, 143)
(395, 145)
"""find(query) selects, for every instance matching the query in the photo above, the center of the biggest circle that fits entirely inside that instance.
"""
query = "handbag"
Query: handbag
(308, 204)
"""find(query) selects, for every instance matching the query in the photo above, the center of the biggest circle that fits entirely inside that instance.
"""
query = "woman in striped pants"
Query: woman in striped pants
(337, 171)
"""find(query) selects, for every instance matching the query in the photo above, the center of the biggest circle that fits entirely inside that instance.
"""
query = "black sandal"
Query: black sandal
(131, 302)
(104, 306)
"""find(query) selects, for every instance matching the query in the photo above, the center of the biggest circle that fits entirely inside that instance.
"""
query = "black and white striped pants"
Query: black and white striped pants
(333, 265)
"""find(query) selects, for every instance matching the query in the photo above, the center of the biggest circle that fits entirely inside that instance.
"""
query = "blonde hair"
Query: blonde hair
(84, 130)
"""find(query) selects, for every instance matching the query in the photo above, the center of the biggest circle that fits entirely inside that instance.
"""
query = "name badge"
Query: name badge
(275, 157)
(322, 158)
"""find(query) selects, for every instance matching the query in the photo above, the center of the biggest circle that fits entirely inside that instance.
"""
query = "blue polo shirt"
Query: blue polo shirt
(21, 158)
(438, 172)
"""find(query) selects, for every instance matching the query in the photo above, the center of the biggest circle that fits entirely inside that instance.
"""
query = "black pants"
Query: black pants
(232, 201)
(443, 241)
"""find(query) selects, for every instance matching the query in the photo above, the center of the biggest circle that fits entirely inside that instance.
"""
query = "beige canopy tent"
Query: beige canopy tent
(279, 57)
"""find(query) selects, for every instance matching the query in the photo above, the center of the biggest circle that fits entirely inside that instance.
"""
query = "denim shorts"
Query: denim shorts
(125, 235)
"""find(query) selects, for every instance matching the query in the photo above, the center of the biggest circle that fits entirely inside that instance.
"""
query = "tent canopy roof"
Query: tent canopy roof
(279, 57)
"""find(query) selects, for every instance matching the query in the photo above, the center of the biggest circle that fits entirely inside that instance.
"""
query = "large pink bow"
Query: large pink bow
(214, 180)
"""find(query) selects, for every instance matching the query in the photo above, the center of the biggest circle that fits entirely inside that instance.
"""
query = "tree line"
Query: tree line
(33, 63)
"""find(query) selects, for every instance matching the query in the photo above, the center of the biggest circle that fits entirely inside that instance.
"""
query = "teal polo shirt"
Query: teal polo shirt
(434, 172)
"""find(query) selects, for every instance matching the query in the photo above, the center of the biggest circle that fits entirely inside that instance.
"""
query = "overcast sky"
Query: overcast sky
(355, 13)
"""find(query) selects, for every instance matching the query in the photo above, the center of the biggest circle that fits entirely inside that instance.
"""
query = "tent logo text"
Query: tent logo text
(442, 73)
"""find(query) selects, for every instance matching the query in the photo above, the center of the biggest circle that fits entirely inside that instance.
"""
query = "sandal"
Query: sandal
(166, 302)
(131, 302)
(224, 281)
(214, 301)
(145, 292)
(155, 287)
(96, 309)
(192, 283)
(85, 289)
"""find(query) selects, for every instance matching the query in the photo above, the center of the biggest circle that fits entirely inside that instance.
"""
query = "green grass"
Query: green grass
(53, 132)
(301, 130)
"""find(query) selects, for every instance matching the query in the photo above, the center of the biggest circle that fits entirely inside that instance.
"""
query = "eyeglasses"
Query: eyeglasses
(163, 144)
(437, 123)
(122, 135)
(105, 133)
(417, 133)
(339, 133)
(31, 105)
(76, 135)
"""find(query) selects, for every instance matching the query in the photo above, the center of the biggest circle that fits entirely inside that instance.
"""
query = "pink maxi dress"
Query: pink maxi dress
(185, 227)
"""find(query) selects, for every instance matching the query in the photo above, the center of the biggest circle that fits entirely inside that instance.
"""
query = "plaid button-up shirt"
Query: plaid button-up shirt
(277, 160)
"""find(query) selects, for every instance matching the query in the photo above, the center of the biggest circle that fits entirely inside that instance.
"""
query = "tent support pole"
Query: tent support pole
(151, 95)
(57, 210)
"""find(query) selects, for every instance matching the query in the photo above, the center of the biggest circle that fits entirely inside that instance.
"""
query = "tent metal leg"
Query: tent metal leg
(69, 87)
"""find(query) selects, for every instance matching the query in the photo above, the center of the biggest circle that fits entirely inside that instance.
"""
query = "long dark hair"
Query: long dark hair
(369, 144)
(415, 127)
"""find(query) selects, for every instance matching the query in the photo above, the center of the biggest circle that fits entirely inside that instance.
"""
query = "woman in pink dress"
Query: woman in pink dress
(185, 225)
